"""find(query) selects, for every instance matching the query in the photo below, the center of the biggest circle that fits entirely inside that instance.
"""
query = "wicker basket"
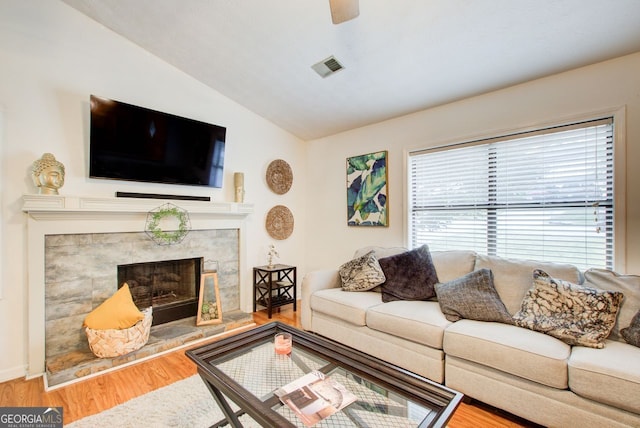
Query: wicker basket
(115, 342)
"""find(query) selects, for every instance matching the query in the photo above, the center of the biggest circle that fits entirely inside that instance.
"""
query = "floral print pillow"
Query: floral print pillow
(573, 313)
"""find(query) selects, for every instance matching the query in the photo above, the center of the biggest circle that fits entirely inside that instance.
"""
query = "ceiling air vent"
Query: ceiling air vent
(327, 66)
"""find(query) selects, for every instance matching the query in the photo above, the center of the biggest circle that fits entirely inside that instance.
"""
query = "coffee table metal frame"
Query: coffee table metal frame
(442, 400)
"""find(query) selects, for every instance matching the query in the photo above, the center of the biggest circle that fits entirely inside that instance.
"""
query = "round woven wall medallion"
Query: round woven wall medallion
(279, 176)
(279, 222)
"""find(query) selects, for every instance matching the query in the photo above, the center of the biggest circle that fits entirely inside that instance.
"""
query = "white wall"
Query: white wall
(52, 59)
(606, 86)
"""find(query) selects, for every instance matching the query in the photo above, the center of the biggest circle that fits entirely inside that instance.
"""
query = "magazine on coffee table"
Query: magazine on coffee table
(314, 397)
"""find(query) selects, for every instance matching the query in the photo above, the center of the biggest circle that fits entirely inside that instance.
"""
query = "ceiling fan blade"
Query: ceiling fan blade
(343, 10)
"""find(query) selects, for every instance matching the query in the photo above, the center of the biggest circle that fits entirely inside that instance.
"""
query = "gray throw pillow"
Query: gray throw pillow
(632, 333)
(410, 276)
(573, 313)
(472, 296)
(361, 274)
(629, 285)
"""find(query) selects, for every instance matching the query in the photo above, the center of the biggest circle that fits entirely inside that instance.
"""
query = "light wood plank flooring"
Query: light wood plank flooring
(102, 392)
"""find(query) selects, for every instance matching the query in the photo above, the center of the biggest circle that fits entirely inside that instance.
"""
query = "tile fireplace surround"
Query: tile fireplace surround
(101, 225)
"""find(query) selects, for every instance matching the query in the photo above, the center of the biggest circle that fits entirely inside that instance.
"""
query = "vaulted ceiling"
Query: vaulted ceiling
(398, 56)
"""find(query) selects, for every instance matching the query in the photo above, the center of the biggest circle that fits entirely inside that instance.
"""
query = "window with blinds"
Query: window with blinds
(545, 195)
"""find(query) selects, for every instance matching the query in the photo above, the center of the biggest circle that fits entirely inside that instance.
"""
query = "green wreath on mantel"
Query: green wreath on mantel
(164, 237)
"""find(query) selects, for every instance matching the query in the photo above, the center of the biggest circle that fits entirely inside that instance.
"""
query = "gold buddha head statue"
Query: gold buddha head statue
(48, 174)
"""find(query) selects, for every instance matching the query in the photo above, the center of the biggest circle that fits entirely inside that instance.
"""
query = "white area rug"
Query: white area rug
(186, 403)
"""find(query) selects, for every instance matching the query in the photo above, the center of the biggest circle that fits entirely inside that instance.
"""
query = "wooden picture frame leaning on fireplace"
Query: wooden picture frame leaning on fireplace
(209, 308)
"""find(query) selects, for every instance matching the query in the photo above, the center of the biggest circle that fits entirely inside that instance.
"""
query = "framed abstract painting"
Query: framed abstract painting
(367, 200)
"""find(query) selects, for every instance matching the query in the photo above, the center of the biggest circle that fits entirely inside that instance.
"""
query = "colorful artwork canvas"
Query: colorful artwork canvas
(367, 202)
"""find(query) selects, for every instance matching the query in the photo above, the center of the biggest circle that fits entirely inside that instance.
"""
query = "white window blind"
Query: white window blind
(544, 195)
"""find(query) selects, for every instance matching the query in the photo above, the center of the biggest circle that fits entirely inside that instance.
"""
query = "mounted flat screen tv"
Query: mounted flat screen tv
(133, 143)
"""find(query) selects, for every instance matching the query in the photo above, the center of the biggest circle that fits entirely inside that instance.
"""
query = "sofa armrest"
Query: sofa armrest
(312, 282)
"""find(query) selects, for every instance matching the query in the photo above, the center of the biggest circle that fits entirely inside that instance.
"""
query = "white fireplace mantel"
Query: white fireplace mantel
(42, 207)
(61, 214)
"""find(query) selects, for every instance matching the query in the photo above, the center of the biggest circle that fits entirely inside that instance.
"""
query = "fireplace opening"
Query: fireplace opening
(171, 287)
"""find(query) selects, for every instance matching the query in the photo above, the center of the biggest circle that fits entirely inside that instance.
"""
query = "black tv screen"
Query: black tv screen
(133, 143)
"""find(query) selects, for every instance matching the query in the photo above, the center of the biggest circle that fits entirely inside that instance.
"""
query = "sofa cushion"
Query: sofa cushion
(629, 285)
(472, 296)
(513, 350)
(410, 275)
(631, 334)
(610, 375)
(453, 264)
(349, 306)
(512, 278)
(573, 313)
(362, 273)
(417, 321)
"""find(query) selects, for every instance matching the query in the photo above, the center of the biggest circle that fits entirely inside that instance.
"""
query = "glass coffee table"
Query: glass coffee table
(242, 372)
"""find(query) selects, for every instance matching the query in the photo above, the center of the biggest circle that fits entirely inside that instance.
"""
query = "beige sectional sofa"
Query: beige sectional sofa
(525, 372)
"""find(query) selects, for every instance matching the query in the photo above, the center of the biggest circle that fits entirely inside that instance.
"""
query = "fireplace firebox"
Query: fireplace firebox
(171, 287)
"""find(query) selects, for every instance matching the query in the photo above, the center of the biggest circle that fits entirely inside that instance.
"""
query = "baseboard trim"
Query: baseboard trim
(13, 373)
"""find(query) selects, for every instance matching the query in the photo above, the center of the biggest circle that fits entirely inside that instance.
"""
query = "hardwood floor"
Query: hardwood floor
(102, 392)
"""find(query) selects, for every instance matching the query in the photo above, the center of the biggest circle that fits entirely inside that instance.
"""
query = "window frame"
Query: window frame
(619, 169)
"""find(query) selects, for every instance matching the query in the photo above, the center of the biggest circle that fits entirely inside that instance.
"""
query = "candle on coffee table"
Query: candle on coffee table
(282, 343)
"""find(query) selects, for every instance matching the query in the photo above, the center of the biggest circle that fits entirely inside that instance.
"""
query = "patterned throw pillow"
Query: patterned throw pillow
(632, 333)
(575, 314)
(361, 274)
(410, 276)
(472, 296)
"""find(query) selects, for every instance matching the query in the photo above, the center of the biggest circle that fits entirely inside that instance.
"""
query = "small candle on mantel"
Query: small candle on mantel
(238, 181)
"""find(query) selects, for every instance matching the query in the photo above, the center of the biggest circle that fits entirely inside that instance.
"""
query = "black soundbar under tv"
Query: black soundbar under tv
(160, 196)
